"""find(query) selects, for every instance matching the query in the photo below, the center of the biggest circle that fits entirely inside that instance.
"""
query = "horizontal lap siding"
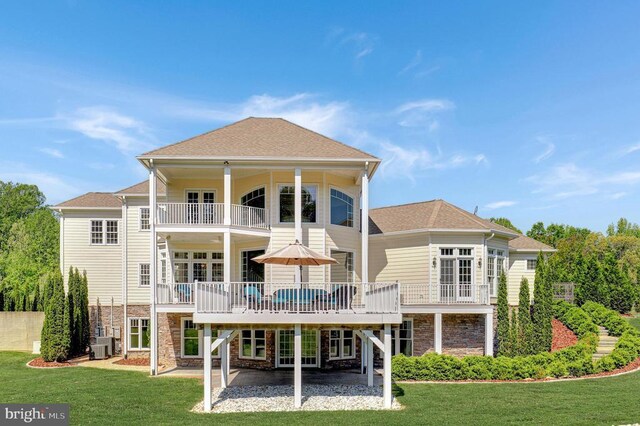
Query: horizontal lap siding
(404, 259)
(103, 263)
(517, 270)
(137, 251)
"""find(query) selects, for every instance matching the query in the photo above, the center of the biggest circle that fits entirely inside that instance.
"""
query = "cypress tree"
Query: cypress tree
(525, 325)
(621, 292)
(85, 334)
(54, 343)
(504, 334)
(71, 302)
(541, 311)
(592, 285)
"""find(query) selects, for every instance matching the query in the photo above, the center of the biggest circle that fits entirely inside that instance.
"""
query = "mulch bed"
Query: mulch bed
(143, 362)
(41, 363)
(562, 336)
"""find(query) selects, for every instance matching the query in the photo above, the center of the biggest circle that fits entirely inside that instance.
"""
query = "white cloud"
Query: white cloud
(500, 205)
(415, 61)
(422, 113)
(617, 195)
(56, 188)
(549, 149)
(410, 163)
(632, 149)
(55, 153)
(125, 133)
(361, 43)
(569, 180)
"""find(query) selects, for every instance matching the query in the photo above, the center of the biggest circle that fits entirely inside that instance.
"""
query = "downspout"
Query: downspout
(125, 275)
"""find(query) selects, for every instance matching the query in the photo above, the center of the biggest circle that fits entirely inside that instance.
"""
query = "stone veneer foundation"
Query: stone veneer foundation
(462, 334)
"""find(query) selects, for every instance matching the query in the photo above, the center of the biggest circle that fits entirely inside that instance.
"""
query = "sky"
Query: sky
(527, 110)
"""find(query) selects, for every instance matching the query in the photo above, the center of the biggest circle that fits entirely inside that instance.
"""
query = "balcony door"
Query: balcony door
(456, 275)
(252, 271)
(197, 213)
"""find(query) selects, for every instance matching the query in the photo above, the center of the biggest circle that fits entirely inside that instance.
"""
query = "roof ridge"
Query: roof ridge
(331, 139)
(434, 213)
(406, 204)
(470, 216)
(131, 186)
(197, 136)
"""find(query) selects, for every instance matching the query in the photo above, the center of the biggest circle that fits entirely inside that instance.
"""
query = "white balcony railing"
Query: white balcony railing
(175, 294)
(238, 297)
(211, 214)
(436, 293)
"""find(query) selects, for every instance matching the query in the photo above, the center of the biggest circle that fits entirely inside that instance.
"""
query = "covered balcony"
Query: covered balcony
(211, 215)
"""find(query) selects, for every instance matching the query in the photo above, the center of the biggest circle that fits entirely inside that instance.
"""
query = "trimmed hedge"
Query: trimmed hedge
(571, 361)
(627, 348)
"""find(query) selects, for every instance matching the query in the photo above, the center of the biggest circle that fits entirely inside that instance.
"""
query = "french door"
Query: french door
(196, 197)
(285, 348)
(456, 276)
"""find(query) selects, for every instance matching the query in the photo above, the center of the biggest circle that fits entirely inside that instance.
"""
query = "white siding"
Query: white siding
(399, 258)
(137, 251)
(103, 263)
(518, 270)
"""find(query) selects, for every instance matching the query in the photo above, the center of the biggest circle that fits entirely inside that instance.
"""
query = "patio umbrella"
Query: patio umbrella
(295, 254)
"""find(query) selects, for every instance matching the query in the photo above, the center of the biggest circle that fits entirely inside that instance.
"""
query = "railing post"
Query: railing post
(195, 295)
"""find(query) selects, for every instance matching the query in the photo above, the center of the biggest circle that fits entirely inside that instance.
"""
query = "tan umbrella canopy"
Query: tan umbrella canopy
(295, 254)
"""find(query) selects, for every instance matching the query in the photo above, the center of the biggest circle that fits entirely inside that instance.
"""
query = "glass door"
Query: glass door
(447, 280)
(465, 284)
(285, 348)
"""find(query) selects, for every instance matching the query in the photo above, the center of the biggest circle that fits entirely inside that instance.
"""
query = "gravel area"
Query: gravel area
(242, 399)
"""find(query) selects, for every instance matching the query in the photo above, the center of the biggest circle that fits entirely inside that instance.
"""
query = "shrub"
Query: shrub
(55, 330)
(525, 326)
(542, 307)
(504, 326)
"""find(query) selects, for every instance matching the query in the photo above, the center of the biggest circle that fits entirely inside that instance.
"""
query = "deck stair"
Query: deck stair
(605, 345)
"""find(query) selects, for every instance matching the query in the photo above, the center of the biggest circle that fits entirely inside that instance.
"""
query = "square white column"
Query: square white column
(488, 336)
(297, 366)
(224, 359)
(370, 366)
(227, 256)
(153, 276)
(227, 195)
(298, 214)
(386, 386)
(437, 333)
(364, 200)
(207, 367)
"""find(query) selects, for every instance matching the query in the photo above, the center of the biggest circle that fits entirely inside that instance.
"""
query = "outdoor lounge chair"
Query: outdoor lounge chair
(253, 297)
(340, 298)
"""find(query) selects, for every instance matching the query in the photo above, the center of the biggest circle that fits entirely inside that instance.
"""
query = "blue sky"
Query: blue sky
(528, 110)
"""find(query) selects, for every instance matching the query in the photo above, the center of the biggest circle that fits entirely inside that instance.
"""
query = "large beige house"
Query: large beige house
(172, 277)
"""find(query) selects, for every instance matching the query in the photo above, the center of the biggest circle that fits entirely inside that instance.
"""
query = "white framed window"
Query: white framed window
(253, 344)
(144, 215)
(204, 196)
(402, 338)
(286, 194)
(341, 345)
(191, 339)
(139, 332)
(343, 271)
(341, 208)
(197, 265)
(144, 274)
(531, 264)
(495, 266)
(103, 231)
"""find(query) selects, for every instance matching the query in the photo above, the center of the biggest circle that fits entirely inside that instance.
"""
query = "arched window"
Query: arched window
(341, 208)
(254, 198)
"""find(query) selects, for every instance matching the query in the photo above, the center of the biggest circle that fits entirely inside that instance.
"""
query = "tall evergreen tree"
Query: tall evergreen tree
(591, 285)
(85, 335)
(73, 299)
(541, 308)
(525, 325)
(54, 344)
(621, 291)
(504, 326)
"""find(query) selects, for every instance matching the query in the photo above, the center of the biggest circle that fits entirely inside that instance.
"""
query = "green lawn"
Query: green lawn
(119, 397)
(635, 321)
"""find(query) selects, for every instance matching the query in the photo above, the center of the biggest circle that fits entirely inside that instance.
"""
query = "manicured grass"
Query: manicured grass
(635, 321)
(119, 397)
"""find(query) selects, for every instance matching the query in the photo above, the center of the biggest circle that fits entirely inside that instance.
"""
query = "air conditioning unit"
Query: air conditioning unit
(108, 342)
(99, 352)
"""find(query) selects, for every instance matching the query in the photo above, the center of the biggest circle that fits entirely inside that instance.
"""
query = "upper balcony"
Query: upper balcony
(211, 215)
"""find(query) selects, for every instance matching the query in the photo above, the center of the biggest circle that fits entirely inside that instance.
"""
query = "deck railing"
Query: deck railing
(175, 294)
(240, 297)
(211, 214)
(436, 293)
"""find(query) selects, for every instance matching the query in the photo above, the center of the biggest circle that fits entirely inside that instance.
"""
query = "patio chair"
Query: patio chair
(253, 296)
(340, 298)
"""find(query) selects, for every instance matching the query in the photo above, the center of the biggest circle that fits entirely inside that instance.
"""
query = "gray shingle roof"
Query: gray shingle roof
(92, 200)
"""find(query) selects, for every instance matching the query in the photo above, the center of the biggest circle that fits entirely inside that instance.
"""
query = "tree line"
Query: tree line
(29, 247)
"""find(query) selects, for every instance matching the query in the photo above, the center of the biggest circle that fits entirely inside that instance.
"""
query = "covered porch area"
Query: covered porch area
(217, 343)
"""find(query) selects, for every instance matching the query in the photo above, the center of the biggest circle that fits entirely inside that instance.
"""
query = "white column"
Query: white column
(298, 214)
(207, 367)
(364, 274)
(363, 354)
(227, 257)
(227, 195)
(297, 366)
(370, 366)
(228, 344)
(437, 333)
(224, 359)
(153, 279)
(386, 387)
(488, 336)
